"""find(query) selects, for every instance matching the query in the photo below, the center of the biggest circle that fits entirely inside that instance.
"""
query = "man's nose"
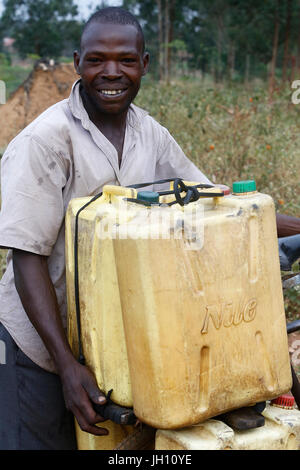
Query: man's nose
(111, 70)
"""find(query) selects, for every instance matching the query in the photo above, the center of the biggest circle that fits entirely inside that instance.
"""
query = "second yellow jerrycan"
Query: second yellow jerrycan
(280, 432)
(198, 289)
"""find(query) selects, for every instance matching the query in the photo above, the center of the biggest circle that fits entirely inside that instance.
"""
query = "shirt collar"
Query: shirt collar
(134, 117)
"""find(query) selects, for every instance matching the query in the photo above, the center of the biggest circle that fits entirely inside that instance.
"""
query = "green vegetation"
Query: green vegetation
(234, 40)
(13, 76)
(40, 27)
(233, 133)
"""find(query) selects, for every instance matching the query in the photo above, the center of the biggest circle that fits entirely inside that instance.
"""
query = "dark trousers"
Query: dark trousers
(32, 409)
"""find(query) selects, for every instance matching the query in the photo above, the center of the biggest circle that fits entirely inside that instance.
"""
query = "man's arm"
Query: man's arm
(287, 225)
(39, 300)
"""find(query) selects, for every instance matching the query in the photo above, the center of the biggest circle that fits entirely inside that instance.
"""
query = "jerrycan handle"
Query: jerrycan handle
(110, 191)
(117, 414)
(193, 192)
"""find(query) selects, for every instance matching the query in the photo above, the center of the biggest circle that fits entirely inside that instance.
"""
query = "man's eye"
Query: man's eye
(94, 59)
(128, 60)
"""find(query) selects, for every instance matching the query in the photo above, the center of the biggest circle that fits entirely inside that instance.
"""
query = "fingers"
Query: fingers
(95, 393)
(87, 417)
(80, 392)
(90, 386)
(90, 427)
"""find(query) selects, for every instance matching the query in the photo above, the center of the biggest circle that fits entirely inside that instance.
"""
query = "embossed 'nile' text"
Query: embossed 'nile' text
(227, 314)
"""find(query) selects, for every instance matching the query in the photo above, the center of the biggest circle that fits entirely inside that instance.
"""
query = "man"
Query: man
(73, 149)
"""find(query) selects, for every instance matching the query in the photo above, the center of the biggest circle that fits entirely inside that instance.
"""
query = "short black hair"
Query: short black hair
(116, 15)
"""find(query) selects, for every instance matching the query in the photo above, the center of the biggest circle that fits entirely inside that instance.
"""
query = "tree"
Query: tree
(158, 18)
(228, 39)
(287, 40)
(41, 27)
(275, 48)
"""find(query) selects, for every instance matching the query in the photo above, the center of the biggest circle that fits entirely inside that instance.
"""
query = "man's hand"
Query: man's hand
(80, 389)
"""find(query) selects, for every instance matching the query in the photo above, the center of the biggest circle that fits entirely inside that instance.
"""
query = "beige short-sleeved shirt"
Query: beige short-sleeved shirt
(59, 156)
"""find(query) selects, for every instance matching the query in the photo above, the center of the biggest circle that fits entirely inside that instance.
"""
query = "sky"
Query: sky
(83, 6)
(85, 11)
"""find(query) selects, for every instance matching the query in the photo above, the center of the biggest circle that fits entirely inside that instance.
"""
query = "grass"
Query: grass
(13, 76)
(231, 133)
(234, 133)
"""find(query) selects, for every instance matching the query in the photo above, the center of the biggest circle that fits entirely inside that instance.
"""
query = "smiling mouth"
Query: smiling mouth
(112, 93)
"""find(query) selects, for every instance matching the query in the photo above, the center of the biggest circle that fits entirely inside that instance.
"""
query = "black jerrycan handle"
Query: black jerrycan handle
(117, 414)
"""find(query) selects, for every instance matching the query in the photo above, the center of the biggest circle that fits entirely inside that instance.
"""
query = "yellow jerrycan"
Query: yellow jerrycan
(280, 432)
(198, 288)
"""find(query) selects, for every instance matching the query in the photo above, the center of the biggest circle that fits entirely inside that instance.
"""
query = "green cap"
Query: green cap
(148, 196)
(240, 187)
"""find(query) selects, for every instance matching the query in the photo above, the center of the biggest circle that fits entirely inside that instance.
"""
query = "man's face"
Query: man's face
(111, 65)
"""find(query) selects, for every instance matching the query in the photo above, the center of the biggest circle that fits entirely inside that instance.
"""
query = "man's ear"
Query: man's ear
(76, 57)
(146, 61)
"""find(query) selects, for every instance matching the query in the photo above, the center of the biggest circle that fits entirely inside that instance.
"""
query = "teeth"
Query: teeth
(111, 92)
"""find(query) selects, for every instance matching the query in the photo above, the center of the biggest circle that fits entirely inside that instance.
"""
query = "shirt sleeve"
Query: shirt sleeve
(32, 208)
(173, 163)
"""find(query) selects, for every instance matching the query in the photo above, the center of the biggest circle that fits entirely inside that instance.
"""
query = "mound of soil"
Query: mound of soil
(46, 85)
